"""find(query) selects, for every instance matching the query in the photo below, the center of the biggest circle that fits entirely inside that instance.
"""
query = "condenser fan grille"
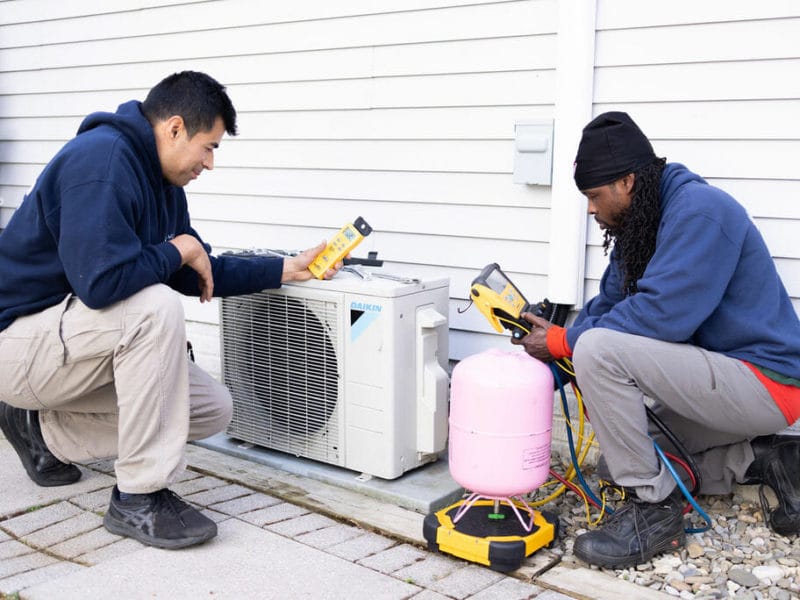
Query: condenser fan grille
(280, 364)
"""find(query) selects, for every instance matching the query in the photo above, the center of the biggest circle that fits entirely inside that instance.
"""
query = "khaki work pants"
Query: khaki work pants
(114, 382)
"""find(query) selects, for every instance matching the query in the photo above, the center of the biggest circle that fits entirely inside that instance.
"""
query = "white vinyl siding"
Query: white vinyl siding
(715, 87)
(403, 111)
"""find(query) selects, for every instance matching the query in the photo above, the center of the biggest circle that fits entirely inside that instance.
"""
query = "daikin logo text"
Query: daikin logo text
(365, 307)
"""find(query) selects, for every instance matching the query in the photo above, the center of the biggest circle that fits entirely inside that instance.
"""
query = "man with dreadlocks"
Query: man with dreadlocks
(692, 324)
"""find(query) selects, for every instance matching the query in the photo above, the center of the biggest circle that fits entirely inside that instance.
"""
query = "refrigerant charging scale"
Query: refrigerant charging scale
(489, 535)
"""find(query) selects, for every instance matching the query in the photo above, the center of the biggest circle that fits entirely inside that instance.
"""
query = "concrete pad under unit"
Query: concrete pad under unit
(424, 489)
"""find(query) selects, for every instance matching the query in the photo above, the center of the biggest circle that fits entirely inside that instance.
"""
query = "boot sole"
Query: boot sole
(126, 530)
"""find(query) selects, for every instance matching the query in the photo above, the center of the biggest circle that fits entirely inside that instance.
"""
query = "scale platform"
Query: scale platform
(489, 534)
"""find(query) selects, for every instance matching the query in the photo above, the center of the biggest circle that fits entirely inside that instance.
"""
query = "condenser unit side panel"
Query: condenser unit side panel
(368, 371)
(406, 379)
(381, 383)
(407, 375)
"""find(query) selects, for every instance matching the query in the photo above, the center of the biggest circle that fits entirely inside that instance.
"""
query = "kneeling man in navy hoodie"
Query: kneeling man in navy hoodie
(92, 334)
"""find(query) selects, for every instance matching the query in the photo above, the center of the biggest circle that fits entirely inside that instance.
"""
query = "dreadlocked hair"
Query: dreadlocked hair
(635, 237)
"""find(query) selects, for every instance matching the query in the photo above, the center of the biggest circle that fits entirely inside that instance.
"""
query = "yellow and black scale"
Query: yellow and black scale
(489, 533)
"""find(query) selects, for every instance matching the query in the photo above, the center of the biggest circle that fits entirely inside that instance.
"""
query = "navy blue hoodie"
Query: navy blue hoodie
(711, 283)
(97, 224)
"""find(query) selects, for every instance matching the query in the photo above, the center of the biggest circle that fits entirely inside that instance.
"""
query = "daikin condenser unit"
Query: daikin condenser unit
(349, 371)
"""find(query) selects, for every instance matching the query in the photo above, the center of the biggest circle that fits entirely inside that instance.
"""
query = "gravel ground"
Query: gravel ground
(739, 557)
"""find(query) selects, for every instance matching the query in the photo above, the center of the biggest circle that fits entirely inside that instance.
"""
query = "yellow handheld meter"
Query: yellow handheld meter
(343, 242)
(500, 301)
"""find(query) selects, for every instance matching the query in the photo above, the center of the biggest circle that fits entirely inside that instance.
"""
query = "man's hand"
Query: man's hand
(295, 268)
(535, 343)
(195, 256)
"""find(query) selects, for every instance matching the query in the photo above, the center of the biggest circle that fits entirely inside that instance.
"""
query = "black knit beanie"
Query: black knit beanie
(612, 146)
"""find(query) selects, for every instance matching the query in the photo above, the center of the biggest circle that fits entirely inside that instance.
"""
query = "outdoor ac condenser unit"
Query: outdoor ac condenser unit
(349, 371)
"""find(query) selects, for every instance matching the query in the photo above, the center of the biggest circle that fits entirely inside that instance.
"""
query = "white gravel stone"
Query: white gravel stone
(740, 558)
(772, 573)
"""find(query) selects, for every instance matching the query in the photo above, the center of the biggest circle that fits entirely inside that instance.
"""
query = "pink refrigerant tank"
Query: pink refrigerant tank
(501, 416)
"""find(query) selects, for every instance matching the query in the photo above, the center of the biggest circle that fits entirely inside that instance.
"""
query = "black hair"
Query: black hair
(635, 236)
(196, 97)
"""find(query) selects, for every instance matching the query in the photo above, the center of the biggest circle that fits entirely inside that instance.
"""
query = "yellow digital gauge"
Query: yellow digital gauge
(339, 246)
(500, 301)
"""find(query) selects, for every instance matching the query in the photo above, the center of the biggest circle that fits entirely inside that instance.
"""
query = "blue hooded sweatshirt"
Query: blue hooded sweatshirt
(711, 283)
(97, 224)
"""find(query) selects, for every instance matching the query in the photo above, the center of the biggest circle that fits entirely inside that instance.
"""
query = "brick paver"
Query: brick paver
(198, 484)
(32, 577)
(12, 548)
(121, 548)
(329, 536)
(40, 518)
(186, 475)
(300, 525)
(362, 546)
(429, 595)
(393, 559)
(466, 581)
(217, 495)
(96, 501)
(104, 466)
(273, 514)
(84, 543)
(509, 588)
(215, 516)
(245, 504)
(26, 562)
(64, 530)
(429, 570)
(73, 534)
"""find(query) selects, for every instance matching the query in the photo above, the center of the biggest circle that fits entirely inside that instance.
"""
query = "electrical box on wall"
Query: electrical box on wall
(533, 152)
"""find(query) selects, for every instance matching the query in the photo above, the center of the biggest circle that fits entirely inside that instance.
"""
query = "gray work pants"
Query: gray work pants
(712, 403)
(114, 382)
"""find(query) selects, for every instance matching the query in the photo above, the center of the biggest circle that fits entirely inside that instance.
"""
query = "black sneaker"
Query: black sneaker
(634, 534)
(777, 464)
(22, 430)
(159, 519)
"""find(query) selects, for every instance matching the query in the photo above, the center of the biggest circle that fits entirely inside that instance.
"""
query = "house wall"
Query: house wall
(403, 111)
(711, 84)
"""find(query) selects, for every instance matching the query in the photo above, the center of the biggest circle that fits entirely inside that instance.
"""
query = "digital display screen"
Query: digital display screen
(496, 282)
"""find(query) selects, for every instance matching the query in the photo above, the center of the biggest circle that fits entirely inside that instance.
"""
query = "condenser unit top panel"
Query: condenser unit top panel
(374, 283)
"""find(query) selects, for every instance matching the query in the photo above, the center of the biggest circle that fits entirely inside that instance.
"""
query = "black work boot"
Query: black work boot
(777, 465)
(634, 534)
(21, 428)
(159, 519)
